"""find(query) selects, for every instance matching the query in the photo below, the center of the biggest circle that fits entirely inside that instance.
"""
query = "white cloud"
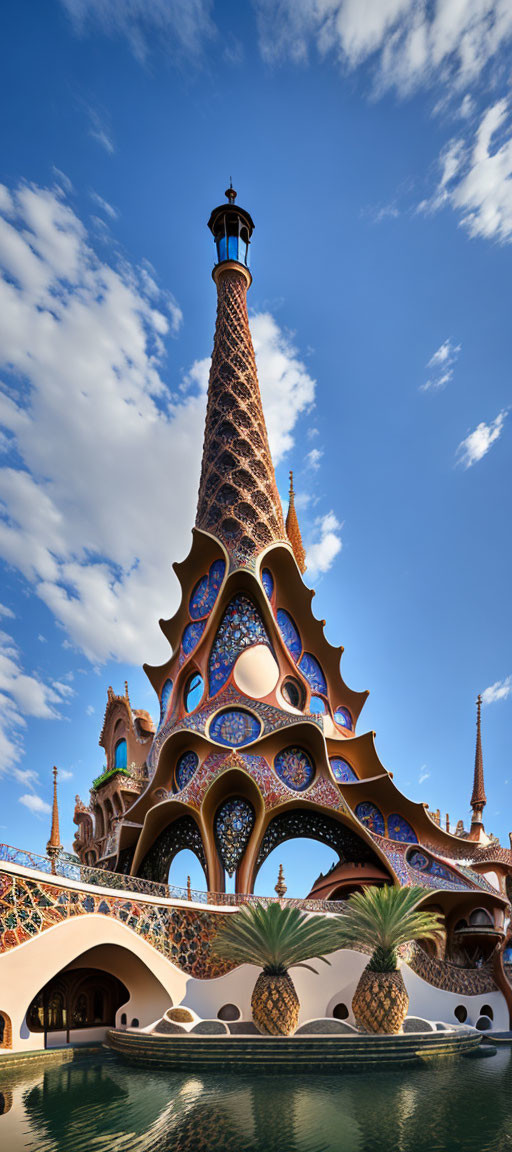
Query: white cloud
(423, 774)
(6, 612)
(498, 691)
(477, 443)
(314, 457)
(104, 205)
(64, 774)
(476, 178)
(409, 42)
(90, 710)
(105, 497)
(22, 695)
(35, 804)
(324, 546)
(175, 23)
(99, 132)
(441, 367)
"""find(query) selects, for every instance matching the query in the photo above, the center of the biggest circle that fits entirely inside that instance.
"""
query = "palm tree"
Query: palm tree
(381, 919)
(275, 938)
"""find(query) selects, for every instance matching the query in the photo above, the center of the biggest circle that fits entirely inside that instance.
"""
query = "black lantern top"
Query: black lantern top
(232, 229)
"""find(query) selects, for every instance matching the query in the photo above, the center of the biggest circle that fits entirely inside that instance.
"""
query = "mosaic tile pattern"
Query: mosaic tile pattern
(303, 823)
(233, 824)
(371, 817)
(185, 768)
(289, 633)
(342, 771)
(206, 591)
(295, 768)
(28, 907)
(400, 829)
(268, 582)
(191, 636)
(164, 700)
(342, 716)
(311, 669)
(424, 863)
(397, 855)
(463, 981)
(182, 833)
(241, 627)
(234, 727)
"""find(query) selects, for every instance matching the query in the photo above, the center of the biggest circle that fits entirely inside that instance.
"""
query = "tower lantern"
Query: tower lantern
(232, 228)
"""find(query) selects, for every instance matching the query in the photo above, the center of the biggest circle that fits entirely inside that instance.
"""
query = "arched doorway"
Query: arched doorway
(348, 849)
(303, 861)
(76, 999)
(186, 864)
(182, 833)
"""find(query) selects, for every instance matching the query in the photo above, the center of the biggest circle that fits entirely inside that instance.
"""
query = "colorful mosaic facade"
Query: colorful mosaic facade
(240, 627)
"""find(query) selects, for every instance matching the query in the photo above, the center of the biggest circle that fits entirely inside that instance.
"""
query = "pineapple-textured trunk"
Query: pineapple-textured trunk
(275, 1004)
(380, 1002)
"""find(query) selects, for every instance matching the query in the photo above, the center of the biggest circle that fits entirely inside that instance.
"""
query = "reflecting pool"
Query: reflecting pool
(97, 1103)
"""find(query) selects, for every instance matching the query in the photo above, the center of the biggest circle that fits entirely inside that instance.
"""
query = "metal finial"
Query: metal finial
(230, 192)
(280, 887)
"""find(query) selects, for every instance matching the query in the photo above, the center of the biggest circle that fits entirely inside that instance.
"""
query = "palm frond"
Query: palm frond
(384, 918)
(276, 937)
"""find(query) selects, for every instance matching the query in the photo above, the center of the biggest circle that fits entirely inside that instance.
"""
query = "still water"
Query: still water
(98, 1104)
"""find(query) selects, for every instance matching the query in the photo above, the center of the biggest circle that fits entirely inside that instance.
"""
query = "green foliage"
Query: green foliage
(384, 918)
(106, 775)
(275, 937)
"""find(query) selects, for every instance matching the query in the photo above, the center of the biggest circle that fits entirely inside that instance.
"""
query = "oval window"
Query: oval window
(185, 769)
(317, 706)
(293, 693)
(342, 716)
(193, 692)
(229, 1012)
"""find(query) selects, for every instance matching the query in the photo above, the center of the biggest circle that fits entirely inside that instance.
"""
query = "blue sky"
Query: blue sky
(372, 143)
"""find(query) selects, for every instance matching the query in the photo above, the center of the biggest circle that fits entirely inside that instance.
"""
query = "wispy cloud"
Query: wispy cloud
(498, 691)
(314, 457)
(6, 612)
(22, 695)
(65, 774)
(174, 25)
(35, 804)
(90, 710)
(441, 366)
(98, 131)
(477, 443)
(424, 774)
(324, 545)
(107, 208)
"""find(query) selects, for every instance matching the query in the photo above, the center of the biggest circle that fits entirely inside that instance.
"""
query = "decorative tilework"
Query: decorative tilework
(28, 907)
(342, 716)
(182, 833)
(233, 824)
(164, 699)
(311, 669)
(289, 633)
(268, 582)
(185, 768)
(234, 728)
(241, 627)
(371, 817)
(342, 771)
(191, 636)
(295, 768)
(424, 862)
(303, 823)
(400, 829)
(206, 591)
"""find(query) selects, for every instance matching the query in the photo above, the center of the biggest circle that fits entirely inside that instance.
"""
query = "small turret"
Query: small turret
(293, 530)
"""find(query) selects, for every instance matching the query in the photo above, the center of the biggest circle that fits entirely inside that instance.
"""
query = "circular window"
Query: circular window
(229, 1012)
(340, 1012)
(193, 692)
(234, 727)
(461, 1013)
(295, 768)
(185, 768)
(342, 716)
(293, 693)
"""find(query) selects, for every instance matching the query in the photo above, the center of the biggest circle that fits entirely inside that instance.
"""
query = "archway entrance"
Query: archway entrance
(76, 999)
(182, 833)
(350, 854)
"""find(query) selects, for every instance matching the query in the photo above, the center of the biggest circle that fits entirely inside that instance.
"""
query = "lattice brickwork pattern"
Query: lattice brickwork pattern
(238, 498)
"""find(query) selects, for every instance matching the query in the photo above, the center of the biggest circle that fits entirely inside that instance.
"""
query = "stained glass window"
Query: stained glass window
(164, 699)
(120, 755)
(193, 692)
(422, 862)
(342, 771)
(400, 829)
(295, 768)
(233, 824)
(371, 817)
(192, 636)
(268, 582)
(311, 669)
(342, 716)
(317, 706)
(289, 633)
(206, 591)
(234, 727)
(185, 768)
(240, 627)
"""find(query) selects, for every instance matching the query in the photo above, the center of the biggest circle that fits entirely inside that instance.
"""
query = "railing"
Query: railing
(66, 866)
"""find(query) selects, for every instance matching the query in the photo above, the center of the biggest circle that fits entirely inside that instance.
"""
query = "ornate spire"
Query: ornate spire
(280, 887)
(293, 530)
(54, 846)
(238, 498)
(478, 798)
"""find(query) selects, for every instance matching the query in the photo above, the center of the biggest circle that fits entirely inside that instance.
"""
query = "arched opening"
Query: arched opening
(338, 852)
(121, 754)
(186, 864)
(182, 833)
(76, 999)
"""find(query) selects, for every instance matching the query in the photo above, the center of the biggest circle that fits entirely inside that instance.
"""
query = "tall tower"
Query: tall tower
(478, 797)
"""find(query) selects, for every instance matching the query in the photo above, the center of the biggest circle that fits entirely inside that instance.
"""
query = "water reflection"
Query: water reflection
(97, 1102)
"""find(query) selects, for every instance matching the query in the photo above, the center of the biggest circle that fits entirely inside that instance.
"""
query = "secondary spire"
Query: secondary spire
(478, 798)
(293, 530)
(54, 846)
(238, 498)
